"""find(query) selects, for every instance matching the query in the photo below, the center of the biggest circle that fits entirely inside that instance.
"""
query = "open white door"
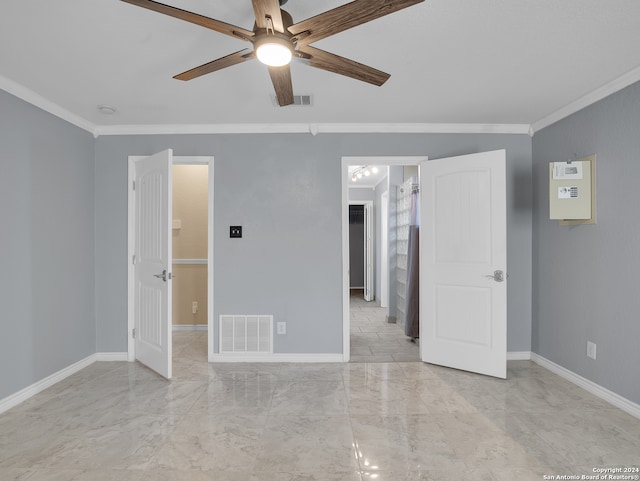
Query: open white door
(368, 252)
(463, 260)
(152, 278)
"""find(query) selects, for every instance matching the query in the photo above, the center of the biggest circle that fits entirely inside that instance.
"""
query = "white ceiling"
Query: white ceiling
(451, 61)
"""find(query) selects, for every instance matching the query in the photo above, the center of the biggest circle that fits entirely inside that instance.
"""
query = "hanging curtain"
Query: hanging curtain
(412, 323)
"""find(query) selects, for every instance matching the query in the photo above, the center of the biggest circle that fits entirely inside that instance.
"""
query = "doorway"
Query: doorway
(367, 323)
(189, 264)
(361, 249)
(204, 259)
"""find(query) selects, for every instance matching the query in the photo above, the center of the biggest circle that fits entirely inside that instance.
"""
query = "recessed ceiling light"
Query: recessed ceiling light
(106, 110)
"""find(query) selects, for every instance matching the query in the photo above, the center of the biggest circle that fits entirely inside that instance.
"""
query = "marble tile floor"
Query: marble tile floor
(400, 421)
(373, 339)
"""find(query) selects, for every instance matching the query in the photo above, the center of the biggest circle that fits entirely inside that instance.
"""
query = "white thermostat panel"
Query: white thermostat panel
(570, 189)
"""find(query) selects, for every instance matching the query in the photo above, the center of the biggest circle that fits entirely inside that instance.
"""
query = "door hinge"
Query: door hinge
(133, 259)
(134, 185)
(133, 333)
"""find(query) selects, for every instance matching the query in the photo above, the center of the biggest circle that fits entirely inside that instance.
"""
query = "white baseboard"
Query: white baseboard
(595, 389)
(111, 356)
(190, 327)
(29, 391)
(275, 357)
(519, 356)
(243, 357)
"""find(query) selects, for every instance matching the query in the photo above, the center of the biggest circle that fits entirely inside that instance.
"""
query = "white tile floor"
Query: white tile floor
(400, 421)
(373, 339)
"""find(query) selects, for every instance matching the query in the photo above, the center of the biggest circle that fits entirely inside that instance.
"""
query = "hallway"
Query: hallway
(373, 339)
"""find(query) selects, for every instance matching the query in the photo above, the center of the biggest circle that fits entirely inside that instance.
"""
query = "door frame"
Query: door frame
(177, 160)
(345, 163)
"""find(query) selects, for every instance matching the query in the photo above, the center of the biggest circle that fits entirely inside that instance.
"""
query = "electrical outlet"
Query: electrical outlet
(282, 328)
(194, 307)
(591, 350)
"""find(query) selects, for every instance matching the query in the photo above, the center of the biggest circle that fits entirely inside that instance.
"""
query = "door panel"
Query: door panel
(153, 262)
(463, 218)
(465, 323)
(463, 242)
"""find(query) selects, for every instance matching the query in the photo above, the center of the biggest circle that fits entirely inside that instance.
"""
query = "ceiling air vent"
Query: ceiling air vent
(300, 100)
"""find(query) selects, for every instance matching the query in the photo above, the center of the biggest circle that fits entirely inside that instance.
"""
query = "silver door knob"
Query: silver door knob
(497, 276)
(162, 275)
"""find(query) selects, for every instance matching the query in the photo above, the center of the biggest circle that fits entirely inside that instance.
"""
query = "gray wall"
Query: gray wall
(47, 238)
(586, 277)
(285, 191)
(361, 193)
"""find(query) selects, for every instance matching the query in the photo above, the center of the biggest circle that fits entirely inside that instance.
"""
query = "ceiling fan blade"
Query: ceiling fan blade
(210, 23)
(343, 66)
(268, 8)
(281, 78)
(218, 64)
(345, 17)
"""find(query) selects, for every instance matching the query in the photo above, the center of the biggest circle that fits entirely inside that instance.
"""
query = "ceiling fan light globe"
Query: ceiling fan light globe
(274, 54)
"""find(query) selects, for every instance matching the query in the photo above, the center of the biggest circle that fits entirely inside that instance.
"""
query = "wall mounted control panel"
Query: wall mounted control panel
(572, 190)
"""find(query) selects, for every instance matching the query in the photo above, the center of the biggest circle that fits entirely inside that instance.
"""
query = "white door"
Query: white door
(368, 252)
(153, 261)
(463, 263)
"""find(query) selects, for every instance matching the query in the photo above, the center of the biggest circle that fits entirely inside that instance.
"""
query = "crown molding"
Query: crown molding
(39, 101)
(313, 129)
(181, 129)
(427, 128)
(592, 97)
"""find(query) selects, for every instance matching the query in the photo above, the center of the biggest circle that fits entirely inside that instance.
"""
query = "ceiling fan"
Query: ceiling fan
(276, 39)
